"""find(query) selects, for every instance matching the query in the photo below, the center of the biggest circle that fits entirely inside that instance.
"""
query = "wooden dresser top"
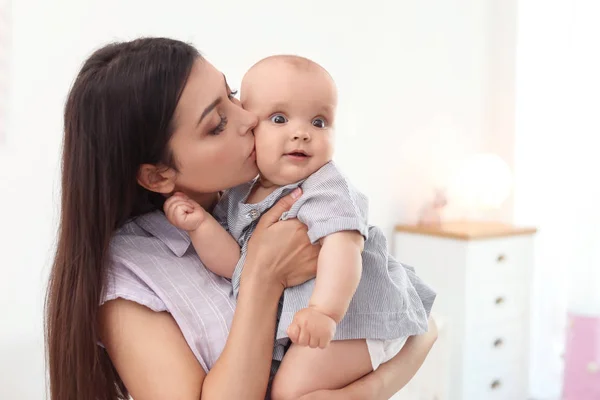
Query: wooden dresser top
(468, 230)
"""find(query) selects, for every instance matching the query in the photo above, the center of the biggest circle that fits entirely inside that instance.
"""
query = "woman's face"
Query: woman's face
(213, 143)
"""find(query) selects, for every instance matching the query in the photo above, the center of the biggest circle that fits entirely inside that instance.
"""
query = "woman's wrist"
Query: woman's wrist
(246, 358)
(261, 279)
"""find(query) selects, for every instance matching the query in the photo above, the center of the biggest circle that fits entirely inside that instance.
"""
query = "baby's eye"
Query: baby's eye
(279, 119)
(319, 123)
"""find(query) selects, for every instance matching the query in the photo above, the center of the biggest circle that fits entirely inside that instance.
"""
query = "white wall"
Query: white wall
(4, 48)
(557, 164)
(415, 90)
(500, 88)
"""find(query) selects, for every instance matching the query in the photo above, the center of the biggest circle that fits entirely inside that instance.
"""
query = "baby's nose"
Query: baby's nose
(301, 135)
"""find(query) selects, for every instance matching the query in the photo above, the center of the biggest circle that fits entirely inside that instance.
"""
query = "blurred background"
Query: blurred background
(424, 87)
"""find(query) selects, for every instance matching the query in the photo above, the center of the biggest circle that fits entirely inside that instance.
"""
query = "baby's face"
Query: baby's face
(296, 110)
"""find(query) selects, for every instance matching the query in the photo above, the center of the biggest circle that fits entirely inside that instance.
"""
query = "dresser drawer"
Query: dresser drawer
(495, 383)
(492, 303)
(503, 259)
(502, 344)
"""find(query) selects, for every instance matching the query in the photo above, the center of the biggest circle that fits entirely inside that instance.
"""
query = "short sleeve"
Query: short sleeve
(331, 204)
(122, 283)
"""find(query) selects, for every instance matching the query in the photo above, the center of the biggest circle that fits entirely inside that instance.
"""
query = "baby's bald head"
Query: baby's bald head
(283, 68)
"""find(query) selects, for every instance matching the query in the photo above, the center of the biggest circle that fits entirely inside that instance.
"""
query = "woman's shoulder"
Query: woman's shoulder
(140, 252)
(153, 264)
(150, 254)
(126, 259)
(149, 234)
(128, 236)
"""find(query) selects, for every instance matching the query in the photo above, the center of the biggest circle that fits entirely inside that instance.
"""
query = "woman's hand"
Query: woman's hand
(390, 377)
(280, 250)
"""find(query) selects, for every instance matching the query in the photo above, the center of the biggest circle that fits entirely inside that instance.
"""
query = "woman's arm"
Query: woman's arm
(149, 352)
(154, 360)
(242, 370)
(391, 376)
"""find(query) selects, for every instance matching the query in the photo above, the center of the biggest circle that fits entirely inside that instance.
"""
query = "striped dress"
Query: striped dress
(390, 302)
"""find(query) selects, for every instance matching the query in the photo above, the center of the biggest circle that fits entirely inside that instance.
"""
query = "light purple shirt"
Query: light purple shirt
(153, 264)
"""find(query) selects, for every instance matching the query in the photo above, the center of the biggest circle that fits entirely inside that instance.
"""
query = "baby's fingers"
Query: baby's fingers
(293, 331)
(183, 209)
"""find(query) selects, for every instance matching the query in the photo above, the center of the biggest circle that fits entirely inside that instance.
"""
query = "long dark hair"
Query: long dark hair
(118, 115)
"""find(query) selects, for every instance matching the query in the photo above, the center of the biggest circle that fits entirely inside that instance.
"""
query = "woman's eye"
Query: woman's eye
(319, 123)
(221, 127)
(232, 94)
(278, 119)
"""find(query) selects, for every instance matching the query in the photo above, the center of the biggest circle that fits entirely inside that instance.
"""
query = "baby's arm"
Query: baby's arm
(336, 216)
(339, 269)
(217, 249)
(338, 273)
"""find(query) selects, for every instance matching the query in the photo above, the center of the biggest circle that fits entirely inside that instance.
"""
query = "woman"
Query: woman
(130, 308)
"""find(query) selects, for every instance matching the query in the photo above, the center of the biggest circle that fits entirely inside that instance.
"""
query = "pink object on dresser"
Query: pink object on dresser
(582, 358)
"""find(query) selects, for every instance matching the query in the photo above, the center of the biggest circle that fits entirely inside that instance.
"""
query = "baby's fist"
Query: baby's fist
(183, 212)
(311, 328)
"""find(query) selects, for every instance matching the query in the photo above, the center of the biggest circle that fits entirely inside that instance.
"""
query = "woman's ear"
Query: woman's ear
(156, 178)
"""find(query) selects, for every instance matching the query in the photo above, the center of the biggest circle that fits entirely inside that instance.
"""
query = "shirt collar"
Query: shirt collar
(156, 224)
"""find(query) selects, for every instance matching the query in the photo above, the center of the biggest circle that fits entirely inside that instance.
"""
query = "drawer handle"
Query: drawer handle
(499, 300)
(495, 384)
(498, 343)
(501, 258)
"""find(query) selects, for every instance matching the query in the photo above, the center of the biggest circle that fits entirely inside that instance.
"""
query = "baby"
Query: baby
(363, 304)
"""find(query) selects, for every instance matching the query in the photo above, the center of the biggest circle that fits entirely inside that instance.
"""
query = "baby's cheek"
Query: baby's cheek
(260, 131)
(261, 145)
(328, 146)
(264, 153)
(264, 140)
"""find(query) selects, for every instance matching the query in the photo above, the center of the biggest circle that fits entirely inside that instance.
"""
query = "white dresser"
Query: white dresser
(482, 273)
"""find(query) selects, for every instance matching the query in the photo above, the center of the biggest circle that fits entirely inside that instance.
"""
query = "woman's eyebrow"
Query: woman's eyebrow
(208, 109)
(215, 103)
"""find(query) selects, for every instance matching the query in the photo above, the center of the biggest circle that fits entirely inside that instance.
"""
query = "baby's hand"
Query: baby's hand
(311, 328)
(183, 212)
